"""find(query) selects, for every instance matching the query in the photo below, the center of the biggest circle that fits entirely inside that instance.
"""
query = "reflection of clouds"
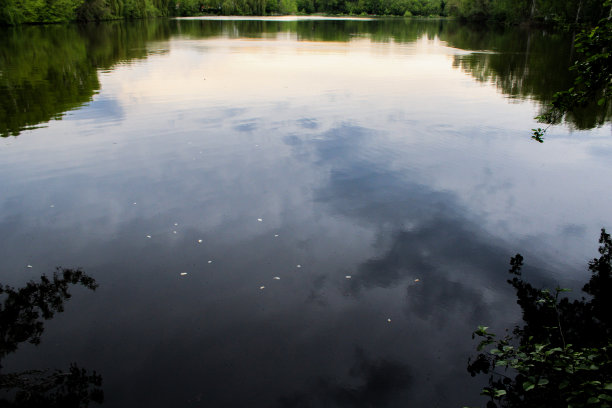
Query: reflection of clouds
(378, 180)
(308, 123)
(446, 271)
(246, 126)
(105, 109)
(423, 234)
(574, 229)
(345, 199)
(338, 202)
(379, 382)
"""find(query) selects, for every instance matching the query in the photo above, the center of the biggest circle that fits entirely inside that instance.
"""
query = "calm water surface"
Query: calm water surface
(343, 196)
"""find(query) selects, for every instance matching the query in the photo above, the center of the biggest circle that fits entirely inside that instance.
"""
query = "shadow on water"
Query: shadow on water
(380, 383)
(562, 355)
(22, 315)
(50, 70)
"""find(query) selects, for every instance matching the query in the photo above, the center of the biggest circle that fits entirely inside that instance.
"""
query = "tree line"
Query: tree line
(57, 11)
(511, 11)
(543, 11)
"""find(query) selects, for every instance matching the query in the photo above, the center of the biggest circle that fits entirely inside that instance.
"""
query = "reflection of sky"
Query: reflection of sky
(374, 161)
(104, 112)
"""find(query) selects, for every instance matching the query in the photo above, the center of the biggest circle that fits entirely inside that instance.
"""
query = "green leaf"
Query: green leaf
(482, 332)
(483, 344)
(527, 386)
(543, 381)
(499, 393)
(608, 386)
(563, 290)
(593, 400)
(601, 101)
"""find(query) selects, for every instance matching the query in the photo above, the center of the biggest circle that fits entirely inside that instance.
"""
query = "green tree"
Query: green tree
(562, 355)
(592, 89)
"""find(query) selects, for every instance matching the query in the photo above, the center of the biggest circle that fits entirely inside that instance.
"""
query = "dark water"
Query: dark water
(289, 213)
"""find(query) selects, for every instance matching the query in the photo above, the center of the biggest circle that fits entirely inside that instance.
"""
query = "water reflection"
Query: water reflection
(218, 162)
(21, 320)
(526, 64)
(380, 383)
(562, 354)
(312, 337)
(49, 70)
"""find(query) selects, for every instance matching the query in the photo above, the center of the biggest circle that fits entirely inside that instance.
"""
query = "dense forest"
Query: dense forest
(510, 11)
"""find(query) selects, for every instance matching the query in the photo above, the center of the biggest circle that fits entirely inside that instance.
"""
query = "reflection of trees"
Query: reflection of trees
(522, 63)
(562, 355)
(525, 64)
(46, 71)
(22, 313)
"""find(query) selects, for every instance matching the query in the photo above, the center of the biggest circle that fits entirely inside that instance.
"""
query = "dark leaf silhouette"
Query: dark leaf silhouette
(562, 355)
(22, 315)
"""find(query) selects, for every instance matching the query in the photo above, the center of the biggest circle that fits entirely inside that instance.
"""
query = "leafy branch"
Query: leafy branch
(593, 82)
(562, 356)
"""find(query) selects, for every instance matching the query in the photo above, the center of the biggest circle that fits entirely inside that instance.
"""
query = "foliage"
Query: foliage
(58, 11)
(24, 309)
(22, 313)
(30, 11)
(540, 11)
(562, 356)
(592, 89)
(522, 65)
(513, 11)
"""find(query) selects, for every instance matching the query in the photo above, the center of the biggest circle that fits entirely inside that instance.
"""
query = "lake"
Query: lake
(290, 212)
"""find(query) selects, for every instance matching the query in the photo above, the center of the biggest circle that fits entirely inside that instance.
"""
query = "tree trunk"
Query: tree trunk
(571, 56)
(525, 66)
(578, 12)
